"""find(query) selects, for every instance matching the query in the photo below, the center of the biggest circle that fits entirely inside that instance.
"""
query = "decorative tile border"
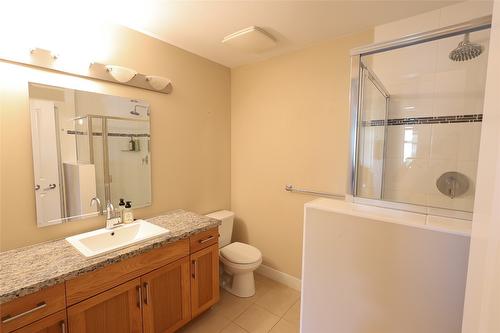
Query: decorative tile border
(127, 135)
(467, 118)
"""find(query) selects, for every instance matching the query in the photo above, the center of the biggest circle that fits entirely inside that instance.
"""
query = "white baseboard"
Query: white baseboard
(278, 276)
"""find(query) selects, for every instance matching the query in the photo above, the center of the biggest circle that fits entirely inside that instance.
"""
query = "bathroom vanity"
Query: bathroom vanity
(155, 286)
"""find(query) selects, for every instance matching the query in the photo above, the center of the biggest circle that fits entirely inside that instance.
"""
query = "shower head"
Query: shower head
(135, 112)
(466, 50)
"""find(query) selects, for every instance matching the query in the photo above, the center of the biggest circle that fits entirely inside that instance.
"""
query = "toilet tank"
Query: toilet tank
(226, 228)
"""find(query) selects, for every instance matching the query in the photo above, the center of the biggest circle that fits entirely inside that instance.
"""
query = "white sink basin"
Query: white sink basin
(98, 242)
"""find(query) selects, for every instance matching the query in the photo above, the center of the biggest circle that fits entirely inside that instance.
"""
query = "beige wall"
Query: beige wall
(190, 134)
(289, 124)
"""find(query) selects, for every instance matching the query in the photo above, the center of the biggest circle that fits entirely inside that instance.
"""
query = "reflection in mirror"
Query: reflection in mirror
(88, 149)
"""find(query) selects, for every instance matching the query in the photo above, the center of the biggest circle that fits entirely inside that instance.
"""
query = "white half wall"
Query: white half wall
(362, 275)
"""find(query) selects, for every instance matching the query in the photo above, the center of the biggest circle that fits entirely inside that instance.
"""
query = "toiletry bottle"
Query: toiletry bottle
(121, 208)
(131, 144)
(128, 215)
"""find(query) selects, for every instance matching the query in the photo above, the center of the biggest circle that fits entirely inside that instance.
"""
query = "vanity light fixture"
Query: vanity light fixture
(121, 74)
(129, 77)
(158, 82)
(47, 59)
(43, 52)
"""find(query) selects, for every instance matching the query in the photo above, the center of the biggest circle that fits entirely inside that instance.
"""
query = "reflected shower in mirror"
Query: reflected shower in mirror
(88, 149)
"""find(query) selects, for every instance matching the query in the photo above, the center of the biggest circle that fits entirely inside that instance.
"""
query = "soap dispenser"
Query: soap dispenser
(128, 214)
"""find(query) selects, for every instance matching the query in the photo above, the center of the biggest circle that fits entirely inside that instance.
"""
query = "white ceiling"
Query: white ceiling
(199, 26)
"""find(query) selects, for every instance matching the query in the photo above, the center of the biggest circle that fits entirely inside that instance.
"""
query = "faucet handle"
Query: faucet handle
(113, 222)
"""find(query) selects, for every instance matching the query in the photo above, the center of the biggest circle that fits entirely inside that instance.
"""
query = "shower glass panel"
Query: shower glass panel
(97, 155)
(82, 140)
(418, 123)
(89, 149)
(371, 136)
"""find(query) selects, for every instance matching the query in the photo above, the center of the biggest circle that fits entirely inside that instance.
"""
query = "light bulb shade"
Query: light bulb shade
(121, 74)
(158, 82)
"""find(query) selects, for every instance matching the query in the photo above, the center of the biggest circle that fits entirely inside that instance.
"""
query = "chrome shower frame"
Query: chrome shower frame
(356, 96)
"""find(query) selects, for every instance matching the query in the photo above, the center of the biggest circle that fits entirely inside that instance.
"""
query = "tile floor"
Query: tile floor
(274, 308)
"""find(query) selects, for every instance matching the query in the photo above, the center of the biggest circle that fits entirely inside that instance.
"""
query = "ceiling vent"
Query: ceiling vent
(251, 39)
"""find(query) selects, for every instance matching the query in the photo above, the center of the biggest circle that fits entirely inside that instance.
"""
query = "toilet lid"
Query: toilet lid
(241, 253)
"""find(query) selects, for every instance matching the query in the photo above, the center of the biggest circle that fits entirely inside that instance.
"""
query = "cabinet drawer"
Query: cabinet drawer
(204, 239)
(55, 323)
(90, 284)
(27, 309)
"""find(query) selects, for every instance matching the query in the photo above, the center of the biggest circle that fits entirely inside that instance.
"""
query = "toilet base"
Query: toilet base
(241, 285)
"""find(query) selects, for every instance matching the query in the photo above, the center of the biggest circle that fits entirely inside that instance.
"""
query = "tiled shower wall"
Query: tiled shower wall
(435, 109)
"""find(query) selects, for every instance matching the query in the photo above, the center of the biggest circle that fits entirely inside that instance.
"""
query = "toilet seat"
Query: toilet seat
(240, 253)
(239, 267)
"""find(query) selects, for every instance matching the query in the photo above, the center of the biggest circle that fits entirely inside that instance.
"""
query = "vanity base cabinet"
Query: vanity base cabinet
(55, 323)
(204, 279)
(116, 310)
(156, 292)
(166, 298)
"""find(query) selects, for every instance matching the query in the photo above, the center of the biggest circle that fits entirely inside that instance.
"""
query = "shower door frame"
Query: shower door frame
(356, 98)
(365, 70)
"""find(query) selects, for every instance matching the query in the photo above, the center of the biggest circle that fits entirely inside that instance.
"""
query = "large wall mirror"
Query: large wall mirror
(88, 149)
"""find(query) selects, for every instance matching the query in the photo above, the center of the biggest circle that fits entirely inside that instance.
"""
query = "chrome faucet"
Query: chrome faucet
(98, 203)
(110, 210)
(111, 219)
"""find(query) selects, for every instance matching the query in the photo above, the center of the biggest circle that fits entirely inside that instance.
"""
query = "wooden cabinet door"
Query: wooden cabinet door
(204, 279)
(117, 310)
(166, 297)
(55, 323)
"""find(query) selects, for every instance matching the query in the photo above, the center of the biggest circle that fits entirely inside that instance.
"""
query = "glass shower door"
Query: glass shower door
(371, 136)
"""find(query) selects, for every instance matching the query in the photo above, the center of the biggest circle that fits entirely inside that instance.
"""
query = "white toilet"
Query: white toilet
(239, 260)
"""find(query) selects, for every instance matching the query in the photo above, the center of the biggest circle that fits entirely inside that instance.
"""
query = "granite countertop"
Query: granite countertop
(26, 270)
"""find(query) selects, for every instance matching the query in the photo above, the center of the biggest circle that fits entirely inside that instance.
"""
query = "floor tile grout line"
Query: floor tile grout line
(229, 323)
(288, 309)
(240, 326)
(253, 301)
(232, 322)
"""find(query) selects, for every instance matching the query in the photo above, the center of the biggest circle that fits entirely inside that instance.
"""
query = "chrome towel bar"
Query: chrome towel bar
(291, 188)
